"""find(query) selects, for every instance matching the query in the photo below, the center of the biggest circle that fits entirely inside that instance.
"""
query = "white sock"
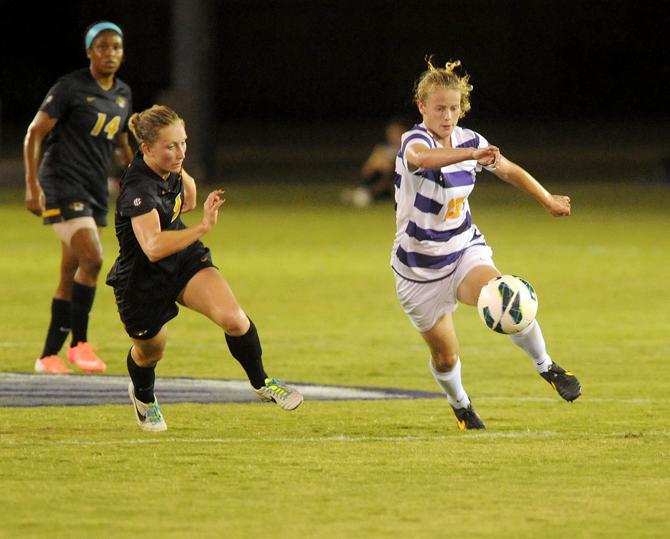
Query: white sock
(450, 382)
(532, 342)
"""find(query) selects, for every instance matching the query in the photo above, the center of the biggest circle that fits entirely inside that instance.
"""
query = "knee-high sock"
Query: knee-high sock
(247, 350)
(143, 380)
(59, 327)
(532, 342)
(451, 384)
(82, 301)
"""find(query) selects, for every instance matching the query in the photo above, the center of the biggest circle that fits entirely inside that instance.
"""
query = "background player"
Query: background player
(439, 256)
(79, 124)
(161, 262)
(378, 171)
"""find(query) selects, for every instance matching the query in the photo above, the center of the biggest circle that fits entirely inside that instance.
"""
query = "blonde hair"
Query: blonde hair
(443, 77)
(146, 125)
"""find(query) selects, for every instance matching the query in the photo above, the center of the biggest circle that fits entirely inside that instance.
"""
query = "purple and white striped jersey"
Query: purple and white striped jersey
(434, 226)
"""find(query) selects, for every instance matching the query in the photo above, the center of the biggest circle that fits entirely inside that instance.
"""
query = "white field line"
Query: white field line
(153, 439)
(310, 440)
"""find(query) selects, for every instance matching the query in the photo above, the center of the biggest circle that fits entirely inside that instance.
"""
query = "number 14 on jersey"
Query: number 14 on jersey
(110, 128)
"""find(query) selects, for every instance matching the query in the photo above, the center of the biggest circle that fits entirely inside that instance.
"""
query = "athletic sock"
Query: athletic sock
(451, 383)
(532, 342)
(82, 301)
(59, 327)
(247, 350)
(143, 380)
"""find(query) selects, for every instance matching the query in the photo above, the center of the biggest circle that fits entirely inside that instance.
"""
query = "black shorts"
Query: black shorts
(146, 307)
(64, 210)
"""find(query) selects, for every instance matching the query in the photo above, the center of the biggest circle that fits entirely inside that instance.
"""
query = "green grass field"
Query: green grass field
(314, 276)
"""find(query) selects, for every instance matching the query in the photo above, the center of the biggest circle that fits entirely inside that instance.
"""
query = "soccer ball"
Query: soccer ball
(507, 304)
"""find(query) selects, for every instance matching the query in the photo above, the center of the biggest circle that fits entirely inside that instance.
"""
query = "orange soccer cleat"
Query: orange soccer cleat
(83, 356)
(51, 365)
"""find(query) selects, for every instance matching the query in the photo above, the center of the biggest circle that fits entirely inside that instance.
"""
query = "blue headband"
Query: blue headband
(94, 30)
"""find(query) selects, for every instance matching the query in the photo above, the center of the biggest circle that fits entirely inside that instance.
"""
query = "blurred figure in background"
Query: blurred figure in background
(81, 122)
(378, 171)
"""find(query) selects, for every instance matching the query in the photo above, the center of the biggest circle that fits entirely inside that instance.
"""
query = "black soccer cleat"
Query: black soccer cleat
(564, 382)
(468, 419)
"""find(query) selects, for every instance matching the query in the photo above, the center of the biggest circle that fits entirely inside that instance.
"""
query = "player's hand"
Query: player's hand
(488, 156)
(35, 200)
(558, 205)
(211, 208)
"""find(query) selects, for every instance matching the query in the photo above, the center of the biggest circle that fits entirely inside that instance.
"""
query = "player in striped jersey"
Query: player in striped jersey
(439, 256)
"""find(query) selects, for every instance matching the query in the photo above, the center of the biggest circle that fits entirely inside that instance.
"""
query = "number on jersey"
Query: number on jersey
(110, 128)
(454, 208)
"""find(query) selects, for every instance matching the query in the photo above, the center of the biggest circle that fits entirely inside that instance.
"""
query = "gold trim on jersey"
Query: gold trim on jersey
(176, 208)
(51, 213)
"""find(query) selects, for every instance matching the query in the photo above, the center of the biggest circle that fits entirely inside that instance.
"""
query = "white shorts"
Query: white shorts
(66, 229)
(426, 303)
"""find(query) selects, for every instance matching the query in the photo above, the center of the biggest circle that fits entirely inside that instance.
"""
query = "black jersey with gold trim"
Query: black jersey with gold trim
(142, 191)
(78, 150)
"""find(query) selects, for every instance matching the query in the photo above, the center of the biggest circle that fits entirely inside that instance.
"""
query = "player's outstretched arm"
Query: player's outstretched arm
(157, 244)
(421, 156)
(506, 170)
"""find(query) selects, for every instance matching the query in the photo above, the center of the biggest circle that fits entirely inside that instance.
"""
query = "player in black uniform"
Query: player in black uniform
(80, 123)
(162, 262)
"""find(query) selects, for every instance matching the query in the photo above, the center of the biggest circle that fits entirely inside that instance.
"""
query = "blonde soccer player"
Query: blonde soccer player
(162, 263)
(439, 256)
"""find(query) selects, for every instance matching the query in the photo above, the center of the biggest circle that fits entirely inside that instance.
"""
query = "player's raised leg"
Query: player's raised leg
(498, 297)
(532, 342)
(207, 292)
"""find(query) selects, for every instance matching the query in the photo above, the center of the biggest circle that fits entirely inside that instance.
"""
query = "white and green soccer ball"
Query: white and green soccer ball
(507, 304)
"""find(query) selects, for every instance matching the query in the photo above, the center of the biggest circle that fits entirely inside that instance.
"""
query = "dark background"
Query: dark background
(322, 62)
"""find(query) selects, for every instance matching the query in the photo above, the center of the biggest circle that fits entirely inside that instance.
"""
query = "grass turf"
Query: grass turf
(314, 276)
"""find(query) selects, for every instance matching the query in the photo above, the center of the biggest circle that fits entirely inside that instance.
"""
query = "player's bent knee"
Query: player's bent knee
(233, 322)
(91, 265)
(156, 358)
(444, 362)
(148, 353)
(149, 357)
(88, 275)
